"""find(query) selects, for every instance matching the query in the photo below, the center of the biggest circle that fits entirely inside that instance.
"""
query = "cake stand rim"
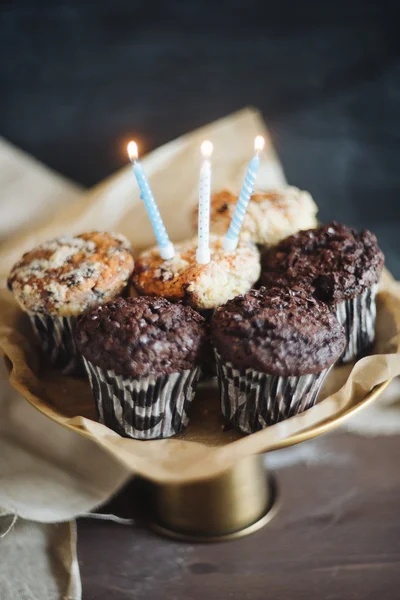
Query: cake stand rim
(320, 428)
(330, 423)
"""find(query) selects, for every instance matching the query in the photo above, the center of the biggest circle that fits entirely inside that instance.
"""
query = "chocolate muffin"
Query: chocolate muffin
(60, 279)
(203, 287)
(143, 359)
(339, 266)
(270, 216)
(274, 348)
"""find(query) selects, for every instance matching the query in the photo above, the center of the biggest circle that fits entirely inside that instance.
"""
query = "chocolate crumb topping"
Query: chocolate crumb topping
(333, 262)
(223, 208)
(278, 331)
(142, 336)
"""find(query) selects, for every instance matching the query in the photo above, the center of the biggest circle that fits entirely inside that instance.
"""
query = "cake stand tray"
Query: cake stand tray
(222, 489)
(208, 482)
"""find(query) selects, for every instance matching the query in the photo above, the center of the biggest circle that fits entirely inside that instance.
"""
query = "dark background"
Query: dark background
(79, 78)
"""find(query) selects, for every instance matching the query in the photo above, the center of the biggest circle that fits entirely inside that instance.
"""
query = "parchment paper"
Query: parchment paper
(205, 449)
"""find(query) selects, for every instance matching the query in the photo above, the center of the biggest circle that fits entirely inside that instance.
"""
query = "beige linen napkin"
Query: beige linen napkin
(38, 562)
(37, 458)
(34, 471)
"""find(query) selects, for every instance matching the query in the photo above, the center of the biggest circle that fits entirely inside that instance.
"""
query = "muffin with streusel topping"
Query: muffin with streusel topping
(61, 279)
(271, 215)
(203, 287)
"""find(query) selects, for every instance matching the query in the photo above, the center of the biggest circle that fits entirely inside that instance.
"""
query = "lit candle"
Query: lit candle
(231, 239)
(203, 244)
(165, 245)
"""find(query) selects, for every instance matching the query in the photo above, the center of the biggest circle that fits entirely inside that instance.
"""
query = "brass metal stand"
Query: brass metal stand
(232, 505)
(238, 502)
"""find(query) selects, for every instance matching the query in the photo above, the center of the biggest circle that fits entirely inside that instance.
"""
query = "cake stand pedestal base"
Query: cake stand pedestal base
(234, 504)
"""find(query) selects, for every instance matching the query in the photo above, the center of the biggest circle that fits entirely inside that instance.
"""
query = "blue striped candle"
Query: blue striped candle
(232, 237)
(165, 245)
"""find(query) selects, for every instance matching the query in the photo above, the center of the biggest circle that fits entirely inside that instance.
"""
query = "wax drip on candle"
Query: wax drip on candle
(231, 239)
(165, 246)
(203, 244)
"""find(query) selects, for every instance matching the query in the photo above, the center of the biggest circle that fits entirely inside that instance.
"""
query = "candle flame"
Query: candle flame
(133, 151)
(259, 143)
(207, 149)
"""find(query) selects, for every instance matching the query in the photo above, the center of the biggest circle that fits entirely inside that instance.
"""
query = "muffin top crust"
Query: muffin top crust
(69, 274)
(278, 331)
(271, 215)
(334, 262)
(200, 286)
(142, 336)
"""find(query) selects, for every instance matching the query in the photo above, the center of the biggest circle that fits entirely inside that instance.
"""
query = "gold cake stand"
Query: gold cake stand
(231, 505)
(237, 503)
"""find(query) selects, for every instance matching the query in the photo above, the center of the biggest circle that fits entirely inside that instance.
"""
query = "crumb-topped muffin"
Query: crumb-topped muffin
(62, 278)
(337, 265)
(69, 274)
(143, 359)
(271, 215)
(274, 347)
(200, 286)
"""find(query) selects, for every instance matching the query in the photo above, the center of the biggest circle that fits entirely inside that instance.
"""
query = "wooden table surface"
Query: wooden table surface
(336, 537)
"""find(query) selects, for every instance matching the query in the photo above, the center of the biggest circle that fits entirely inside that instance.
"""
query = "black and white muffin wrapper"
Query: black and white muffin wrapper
(251, 400)
(146, 408)
(358, 317)
(56, 339)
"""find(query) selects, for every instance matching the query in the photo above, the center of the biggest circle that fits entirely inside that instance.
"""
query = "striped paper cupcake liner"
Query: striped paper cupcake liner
(251, 400)
(56, 339)
(358, 317)
(146, 408)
